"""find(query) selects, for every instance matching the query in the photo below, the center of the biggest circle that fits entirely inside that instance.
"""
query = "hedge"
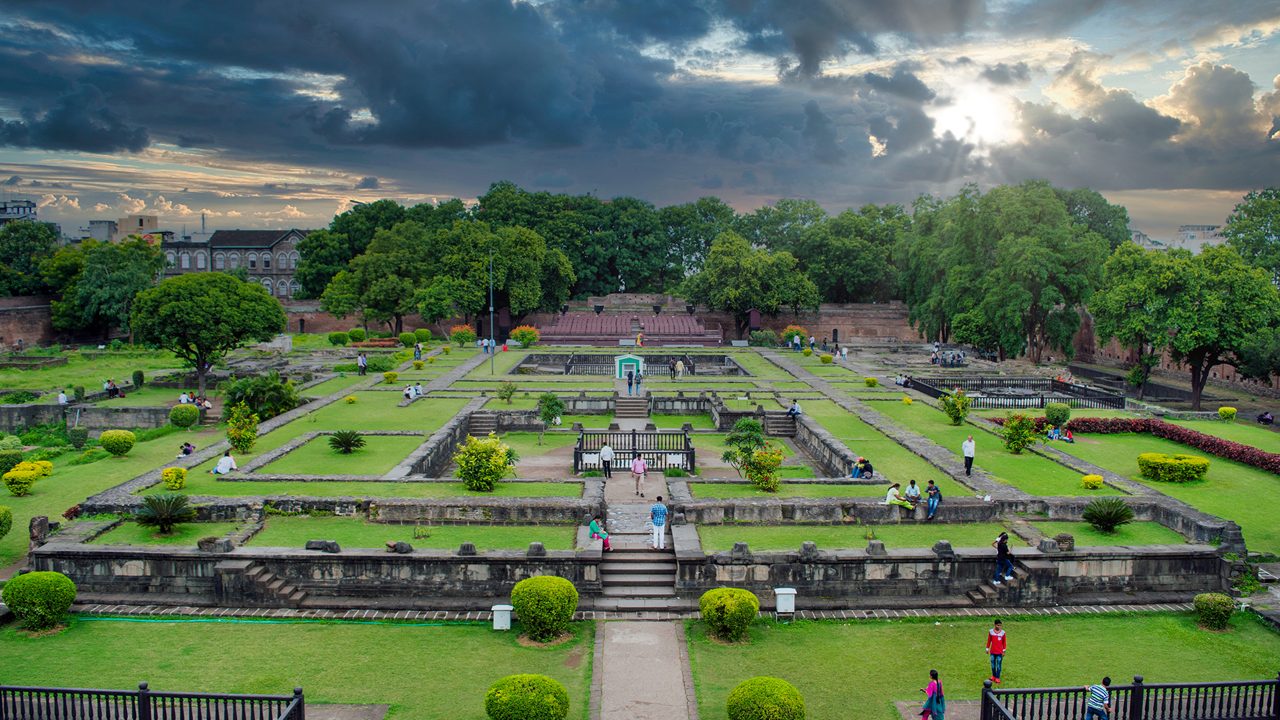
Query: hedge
(175, 478)
(6, 521)
(339, 338)
(356, 334)
(117, 442)
(544, 605)
(183, 416)
(765, 698)
(527, 697)
(40, 599)
(1214, 610)
(1175, 468)
(728, 611)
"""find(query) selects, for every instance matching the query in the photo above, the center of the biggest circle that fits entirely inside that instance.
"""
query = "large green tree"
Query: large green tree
(1135, 301)
(381, 282)
(1253, 229)
(1222, 305)
(101, 296)
(1088, 208)
(690, 228)
(780, 226)
(203, 316)
(24, 245)
(323, 254)
(850, 256)
(738, 278)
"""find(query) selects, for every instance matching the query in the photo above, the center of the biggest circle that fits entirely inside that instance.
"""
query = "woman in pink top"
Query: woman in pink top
(935, 703)
(638, 468)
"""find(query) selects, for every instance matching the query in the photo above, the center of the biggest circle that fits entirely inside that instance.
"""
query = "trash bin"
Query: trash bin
(786, 600)
(502, 617)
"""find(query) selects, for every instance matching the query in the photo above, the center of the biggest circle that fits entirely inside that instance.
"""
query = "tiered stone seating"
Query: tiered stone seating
(584, 328)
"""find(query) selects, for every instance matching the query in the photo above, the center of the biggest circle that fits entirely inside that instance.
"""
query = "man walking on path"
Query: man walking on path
(995, 648)
(1004, 563)
(1099, 704)
(658, 514)
(638, 469)
(606, 460)
(362, 363)
(631, 380)
(968, 448)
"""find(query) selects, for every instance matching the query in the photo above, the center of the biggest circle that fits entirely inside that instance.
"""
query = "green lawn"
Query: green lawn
(148, 396)
(130, 533)
(1231, 490)
(350, 532)
(717, 538)
(91, 372)
(1029, 472)
(332, 385)
(70, 484)
(895, 461)
(1075, 413)
(808, 490)
(425, 671)
(1241, 431)
(1135, 533)
(675, 422)
(202, 483)
(526, 443)
(589, 422)
(380, 454)
(867, 665)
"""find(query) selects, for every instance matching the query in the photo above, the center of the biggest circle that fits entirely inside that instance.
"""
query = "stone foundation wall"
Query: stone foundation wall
(830, 456)
(26, 318)
(94, 418)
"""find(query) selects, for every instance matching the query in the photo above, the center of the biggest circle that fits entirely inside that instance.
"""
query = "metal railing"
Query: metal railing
(43, 703)
(661, 450)
(1236, 700)
(1040, 389)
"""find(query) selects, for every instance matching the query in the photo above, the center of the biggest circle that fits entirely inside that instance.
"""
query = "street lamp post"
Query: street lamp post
(492, 346)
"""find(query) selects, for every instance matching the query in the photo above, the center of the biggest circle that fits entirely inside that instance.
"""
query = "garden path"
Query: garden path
(644, 672)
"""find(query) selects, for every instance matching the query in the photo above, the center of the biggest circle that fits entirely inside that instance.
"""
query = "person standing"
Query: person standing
(417, 351)
(1099, 702)
(639, 379)
(935, 702)
(658, 515)
(933, 498)
(631, 381)
(671, 367)
(679, 369)
(597, 531)
(606, 460)
(362, 363)
(996, 645)
(638, 469)
(1004, 562)
(968, 448)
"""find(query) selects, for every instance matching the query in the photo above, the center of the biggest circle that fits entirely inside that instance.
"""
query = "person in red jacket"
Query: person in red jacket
(996, 644)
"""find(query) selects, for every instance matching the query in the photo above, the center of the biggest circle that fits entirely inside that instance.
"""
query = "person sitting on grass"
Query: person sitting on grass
(186, 449)
(1068, 437)
(597, 531)
(1052, 433)
(893, 498)
(226, 464)
(417, 389)
(1266, 418)
(863, 469)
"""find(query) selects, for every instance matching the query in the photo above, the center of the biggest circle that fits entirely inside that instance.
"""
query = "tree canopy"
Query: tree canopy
(1253, 229)
(738, 278)
(1134, 304)
(24, 245)
(201, 317)
(97, 283)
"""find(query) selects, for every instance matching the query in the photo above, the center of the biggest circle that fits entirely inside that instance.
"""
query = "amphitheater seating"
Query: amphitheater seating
(584, 328)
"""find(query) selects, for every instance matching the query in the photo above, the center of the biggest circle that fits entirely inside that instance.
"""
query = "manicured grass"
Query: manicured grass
(205, 484)
(131, 533)
(808, 490)
(424, 671)
(864, 666)
(1231, 490)
(759, 367)
(1134, 533)
(675, 422)
(355, 533)
(1241, 431)
(70, 484)
(91, 372)
(332, 385)
(718, 538)
(146, 397)
(380, 454)
(589, 422)
(526, 443)
(893, 460)
(1029, 472)
(791, 385)
(712, 445)
(1075, 413)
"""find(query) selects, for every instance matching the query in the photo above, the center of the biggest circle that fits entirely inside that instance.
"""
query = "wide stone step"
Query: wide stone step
(639, 591)
(639, 555)
(639, 567)
(667, 580)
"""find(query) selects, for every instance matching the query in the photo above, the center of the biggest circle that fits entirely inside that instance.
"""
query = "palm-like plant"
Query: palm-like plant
(346, 441)
(163, 511)
(1107, 514)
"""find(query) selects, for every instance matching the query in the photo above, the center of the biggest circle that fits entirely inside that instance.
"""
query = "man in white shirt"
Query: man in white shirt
(606, 460)
(62, 397)
(226, 464)
(182, 398)
(967, 448)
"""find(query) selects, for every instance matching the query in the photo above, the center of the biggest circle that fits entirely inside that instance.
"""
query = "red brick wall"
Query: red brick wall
(27, 318)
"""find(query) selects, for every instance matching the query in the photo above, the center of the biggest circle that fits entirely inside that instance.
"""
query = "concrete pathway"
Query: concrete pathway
(644, 672)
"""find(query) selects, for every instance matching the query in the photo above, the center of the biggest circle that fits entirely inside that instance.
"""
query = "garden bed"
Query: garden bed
(283, 531)
(380, 454)
(762, 538)
(1134, 533)
(131, 533)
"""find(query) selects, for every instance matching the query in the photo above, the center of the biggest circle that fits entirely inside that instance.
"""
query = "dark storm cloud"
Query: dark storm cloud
(902, 83)
(78, 120)
(13, 180)
(367, 182)
(820, 131)
(1005, 74)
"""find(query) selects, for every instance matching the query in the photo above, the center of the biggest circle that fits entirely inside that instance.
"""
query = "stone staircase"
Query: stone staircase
(636, 578)
(635, 406)
(779, 425)
(988, 593)
(480, 424)
(272, 586)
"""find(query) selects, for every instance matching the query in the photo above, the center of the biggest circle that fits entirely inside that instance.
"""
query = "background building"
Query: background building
(11, 210)
(269, 257)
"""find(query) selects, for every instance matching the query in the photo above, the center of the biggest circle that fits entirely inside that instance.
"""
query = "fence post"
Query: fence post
(985, 711)
(144, 702)
(1136, 700)
(1275, 699)
(301, 713)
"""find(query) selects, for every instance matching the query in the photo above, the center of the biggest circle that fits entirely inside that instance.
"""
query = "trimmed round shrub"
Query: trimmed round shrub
(1057, 413)
(1226, 413)
(138, 379)
(19, 482)
(870, 381)
(9, 459)
(728, 611)
(40, 599)
(339, 338)
(808, 351)
(956, 405)
(408, 339)
(765, 698)
(11, 442)
(183, 416)
(526, 335)
(445, 349)
(1091, 482)
(544, 605)
(6, 521)
(422, 335)
(1176, 468)
(432, 359)
(418, 364)
(462, 334)
(906, 400)
(350, 399)
(1213, 610)
(78, 436)
(764, 338)
(42, 468)
(1019, 432)
(1107, 514)
(175, 478)
(356, 334)
(791, 331)
(390, 376)
(117, 442)
(527, 697)
(826, 358)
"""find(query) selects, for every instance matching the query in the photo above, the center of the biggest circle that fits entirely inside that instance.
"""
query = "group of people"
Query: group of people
(413, 391)
(634, 378)
(185, 449)
(902, 381)
(1063, 434)
(911, 497)
(657, 520)
(677, 367)
(488, 345)
(190, 398)
(639, 467)
(111, 389)
(947, 358)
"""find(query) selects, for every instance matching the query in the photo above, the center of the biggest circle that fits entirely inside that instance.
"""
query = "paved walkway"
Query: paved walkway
(643, 672)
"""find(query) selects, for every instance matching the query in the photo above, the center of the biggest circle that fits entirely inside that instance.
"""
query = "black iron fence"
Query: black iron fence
(661, 450)
(1237, 700)
(1020, 392)
(42, 703)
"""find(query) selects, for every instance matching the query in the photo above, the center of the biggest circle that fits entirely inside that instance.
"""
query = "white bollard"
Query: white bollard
(502, 617)
(786, 600)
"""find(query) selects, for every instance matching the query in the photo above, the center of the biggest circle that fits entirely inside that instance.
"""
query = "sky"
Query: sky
(280, 114)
